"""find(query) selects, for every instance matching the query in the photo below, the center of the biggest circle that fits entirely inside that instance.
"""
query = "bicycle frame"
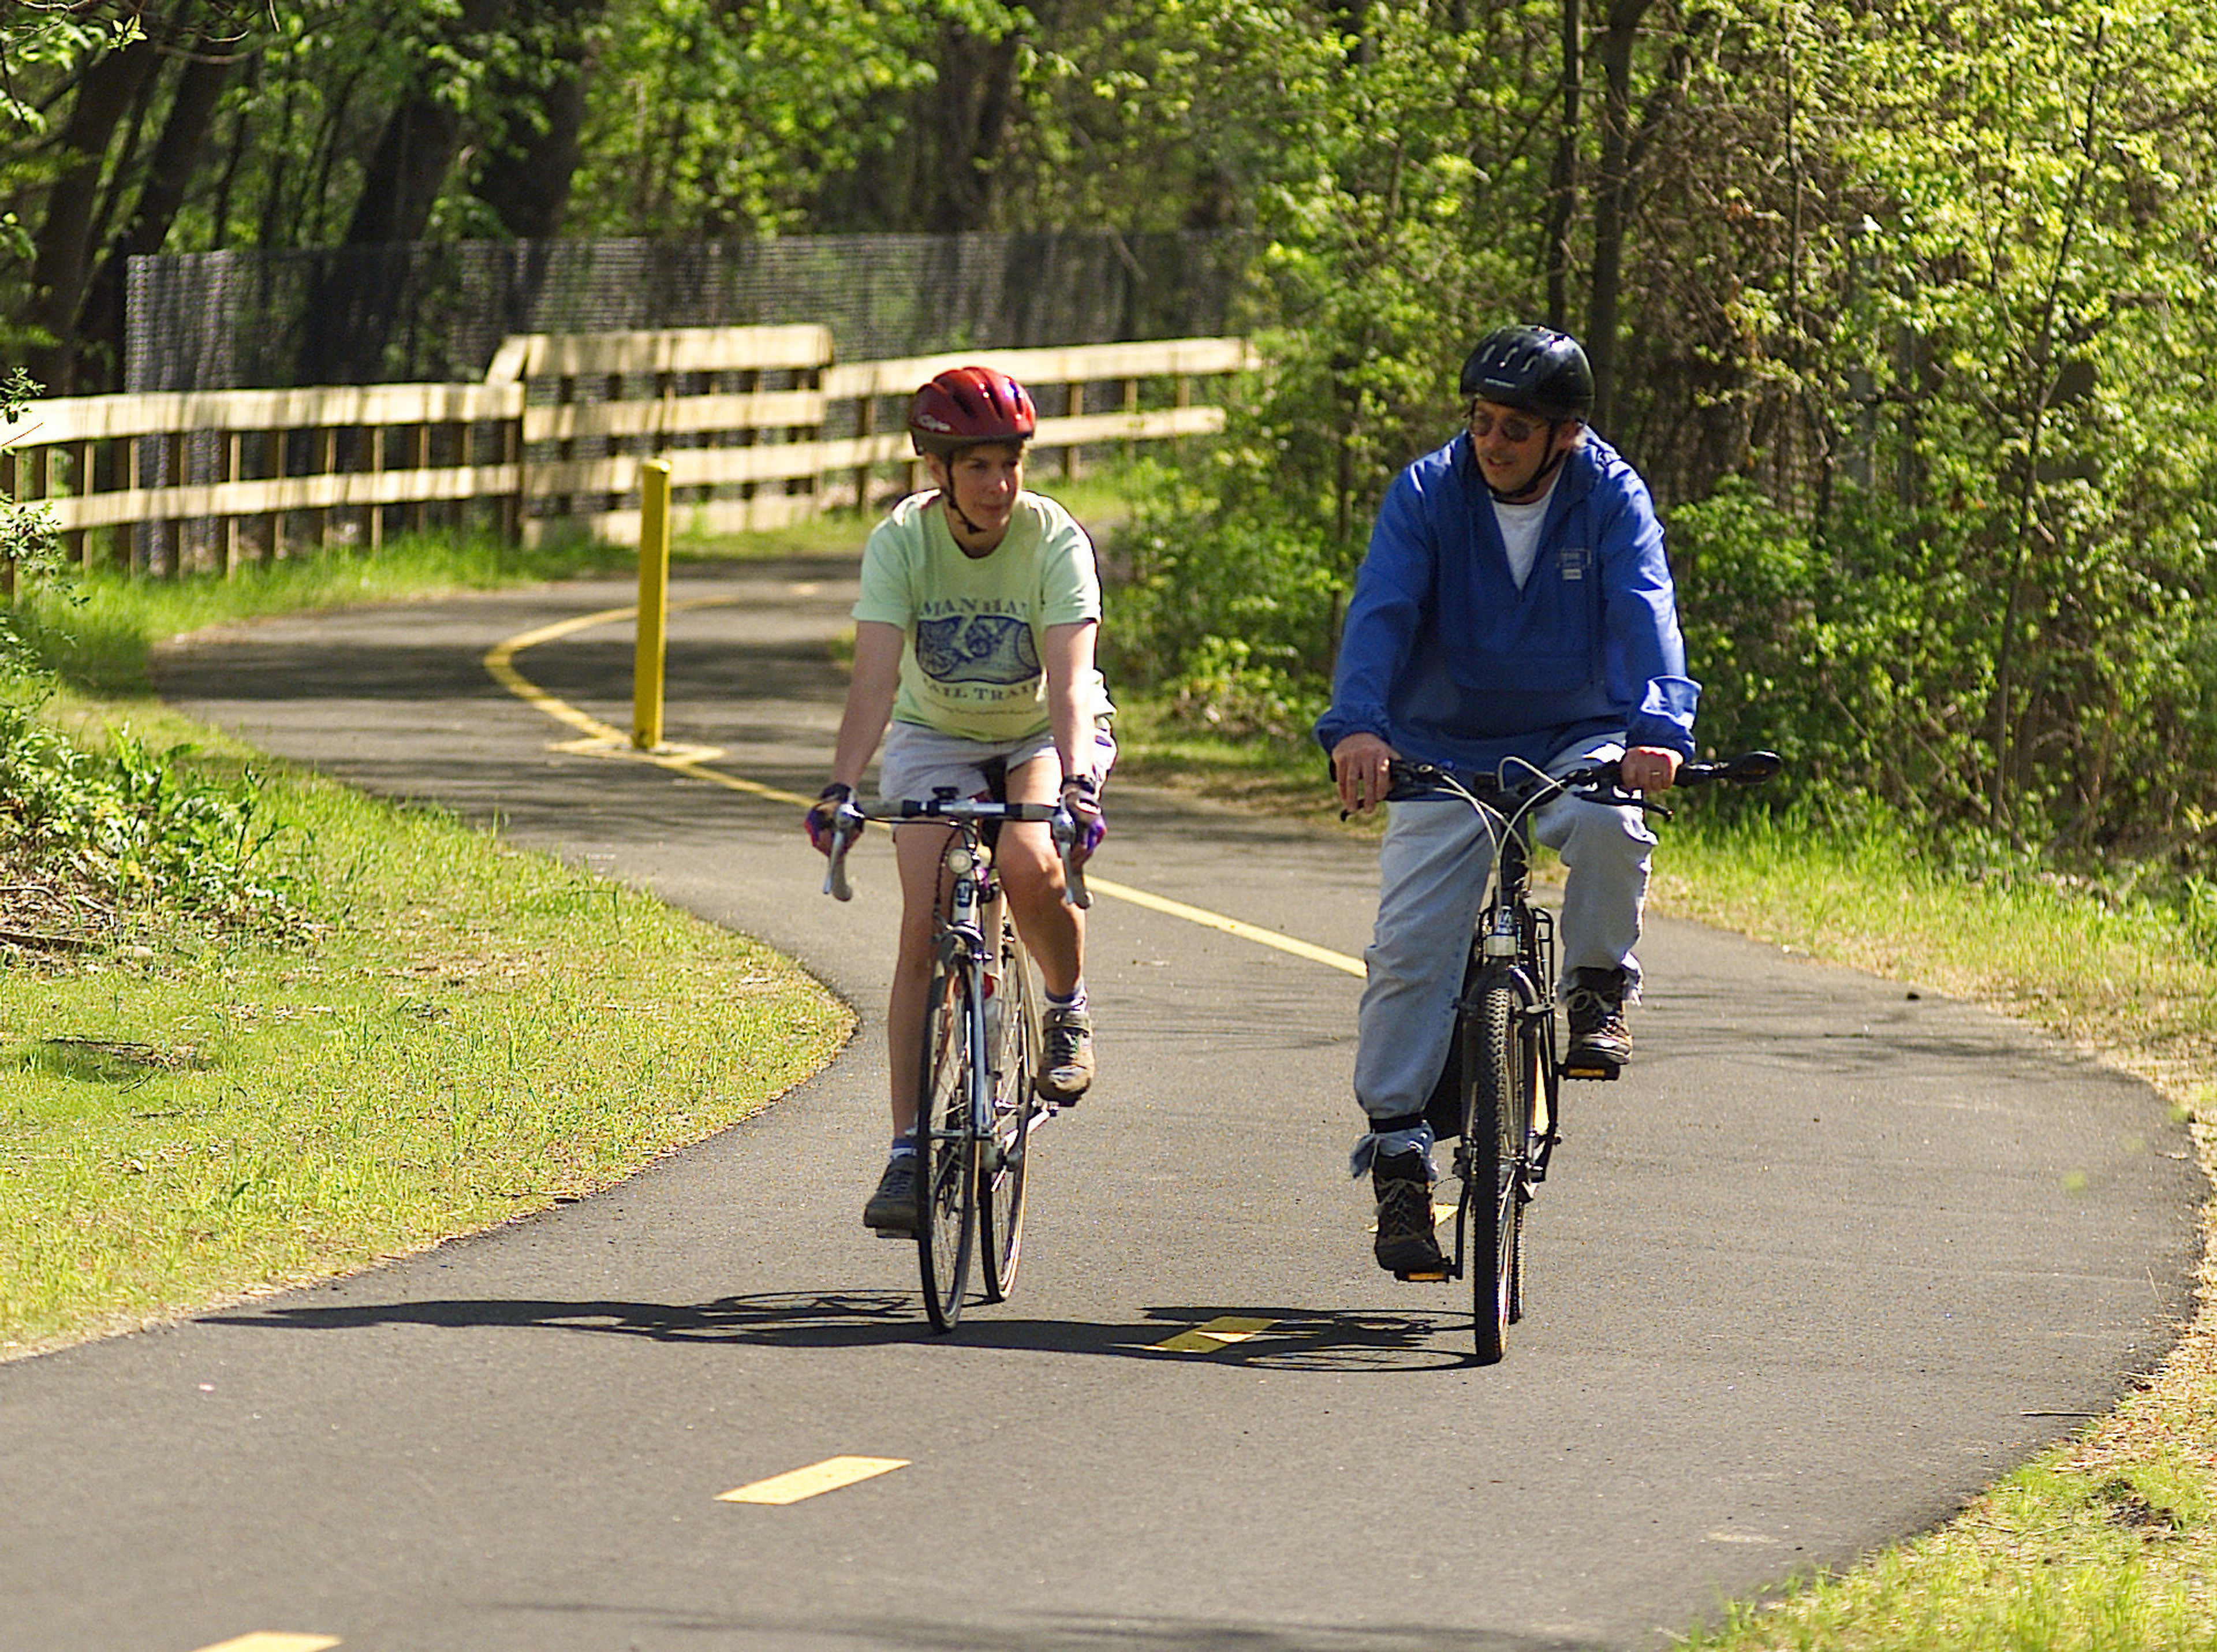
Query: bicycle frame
(1502, 1070)
(1513, 932)
(959, 944)
(972, 1175)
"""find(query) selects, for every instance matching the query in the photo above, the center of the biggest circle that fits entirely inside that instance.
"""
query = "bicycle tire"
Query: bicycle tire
(946, 1186)
(1498, 1073)
(1002, 1170)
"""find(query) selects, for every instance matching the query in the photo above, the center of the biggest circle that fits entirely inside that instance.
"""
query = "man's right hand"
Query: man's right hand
(1358, 764)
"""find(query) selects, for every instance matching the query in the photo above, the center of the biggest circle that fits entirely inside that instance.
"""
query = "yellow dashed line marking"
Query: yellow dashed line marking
(813, 1480)
(264, 1640)
(602, 739)
(1215, 1336)
(1202, 916)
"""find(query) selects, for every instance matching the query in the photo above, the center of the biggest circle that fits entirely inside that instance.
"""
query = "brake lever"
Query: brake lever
(1064, 829)
(846, 826)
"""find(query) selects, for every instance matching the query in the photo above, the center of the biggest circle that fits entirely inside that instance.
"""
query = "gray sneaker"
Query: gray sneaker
(892, 1209)
(1406, 1245)
(1066, 1069)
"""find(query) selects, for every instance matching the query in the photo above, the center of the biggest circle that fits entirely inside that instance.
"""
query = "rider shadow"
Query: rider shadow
(1257, 1338)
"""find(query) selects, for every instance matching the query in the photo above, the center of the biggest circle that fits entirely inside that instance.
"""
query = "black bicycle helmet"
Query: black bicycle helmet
(1535, 369)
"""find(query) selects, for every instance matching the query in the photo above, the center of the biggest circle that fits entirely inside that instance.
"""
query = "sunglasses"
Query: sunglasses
(1517, 430)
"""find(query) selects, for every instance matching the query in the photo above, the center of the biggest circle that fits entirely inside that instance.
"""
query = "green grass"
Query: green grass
(466, 1033)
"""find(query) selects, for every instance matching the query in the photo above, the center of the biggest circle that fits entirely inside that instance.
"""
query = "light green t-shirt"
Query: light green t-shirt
(972, 664)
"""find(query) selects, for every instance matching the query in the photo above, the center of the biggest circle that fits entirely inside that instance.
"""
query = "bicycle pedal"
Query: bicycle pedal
(1594, 1070)
(894, 1232)
(1422, 1278)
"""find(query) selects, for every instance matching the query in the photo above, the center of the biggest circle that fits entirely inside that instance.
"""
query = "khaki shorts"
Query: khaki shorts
(915, 761)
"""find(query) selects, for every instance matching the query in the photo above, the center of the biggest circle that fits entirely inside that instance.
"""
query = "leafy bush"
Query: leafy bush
(1228, 613)
(95, 844)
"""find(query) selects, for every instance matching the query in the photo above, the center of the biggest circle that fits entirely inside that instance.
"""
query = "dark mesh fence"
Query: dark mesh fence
(425, 313)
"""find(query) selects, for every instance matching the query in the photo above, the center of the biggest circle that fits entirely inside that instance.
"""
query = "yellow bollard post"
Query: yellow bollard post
(653, 604)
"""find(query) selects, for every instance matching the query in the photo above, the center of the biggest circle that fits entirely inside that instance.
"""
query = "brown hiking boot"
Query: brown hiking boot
(1600, 1042)
(1406, 1244)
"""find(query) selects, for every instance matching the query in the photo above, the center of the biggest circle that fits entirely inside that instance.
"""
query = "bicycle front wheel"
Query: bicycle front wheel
(947, 1184)
(1002, 1180)
(1500, 1070)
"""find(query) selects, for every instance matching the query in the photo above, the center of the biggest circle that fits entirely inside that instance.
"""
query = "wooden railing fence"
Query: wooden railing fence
(759, 425)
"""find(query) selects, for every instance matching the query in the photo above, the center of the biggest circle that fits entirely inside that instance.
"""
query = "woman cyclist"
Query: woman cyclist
(974, 662)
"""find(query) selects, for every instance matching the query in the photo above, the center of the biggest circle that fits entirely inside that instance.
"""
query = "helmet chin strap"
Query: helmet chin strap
(960, 516)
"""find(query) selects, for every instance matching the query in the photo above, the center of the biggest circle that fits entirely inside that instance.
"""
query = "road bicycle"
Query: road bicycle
(1500, 1095)
(977, 1107)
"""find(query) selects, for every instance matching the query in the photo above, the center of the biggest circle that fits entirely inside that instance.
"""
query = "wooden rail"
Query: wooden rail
(758, 424)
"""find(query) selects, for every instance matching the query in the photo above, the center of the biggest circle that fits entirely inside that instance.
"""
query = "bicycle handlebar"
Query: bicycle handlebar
(847, 826)
(1597, 782)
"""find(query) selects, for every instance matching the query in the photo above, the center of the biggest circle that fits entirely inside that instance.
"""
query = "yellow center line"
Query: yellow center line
(604, 740)
(813, 1480)
(265, 1640)
(1214, 1336)
(1202, 916)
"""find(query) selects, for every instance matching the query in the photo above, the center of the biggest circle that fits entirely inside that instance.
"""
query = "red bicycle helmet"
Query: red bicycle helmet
(965, 406)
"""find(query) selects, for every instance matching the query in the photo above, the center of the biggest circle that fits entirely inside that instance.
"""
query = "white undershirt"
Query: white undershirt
(1520, 534)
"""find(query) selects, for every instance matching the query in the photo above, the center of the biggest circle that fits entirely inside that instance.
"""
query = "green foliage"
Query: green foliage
(29, 547)
(132, 837)
(726, 120)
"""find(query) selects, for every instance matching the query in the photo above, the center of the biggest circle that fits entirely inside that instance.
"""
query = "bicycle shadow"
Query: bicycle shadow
(1255, 1337)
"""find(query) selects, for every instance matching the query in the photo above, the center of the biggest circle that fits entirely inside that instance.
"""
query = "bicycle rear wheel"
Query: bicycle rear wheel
(1500, 1068)
(1001, 1175)
(947, 1183)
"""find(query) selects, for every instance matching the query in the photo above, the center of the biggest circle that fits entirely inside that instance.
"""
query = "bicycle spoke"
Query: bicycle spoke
(1016, 1107)
(947, 1189)
(1497, 1114)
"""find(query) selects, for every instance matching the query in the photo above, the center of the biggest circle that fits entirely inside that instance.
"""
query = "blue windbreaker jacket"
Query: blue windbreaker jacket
(1445, 659)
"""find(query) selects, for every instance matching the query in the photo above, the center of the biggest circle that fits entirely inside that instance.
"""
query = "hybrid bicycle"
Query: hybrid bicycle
(1500, 1094)
(977, 1105)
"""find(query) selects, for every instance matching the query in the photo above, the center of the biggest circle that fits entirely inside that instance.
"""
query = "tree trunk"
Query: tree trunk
(62, 263)
(417, 149)
(177, 155)
(973, 103)
(1612, 201)
(526, 175)
(1563, 198)
(359, 302)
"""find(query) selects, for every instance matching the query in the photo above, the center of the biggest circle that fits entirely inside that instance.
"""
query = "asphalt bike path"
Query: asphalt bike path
(1830, 1257)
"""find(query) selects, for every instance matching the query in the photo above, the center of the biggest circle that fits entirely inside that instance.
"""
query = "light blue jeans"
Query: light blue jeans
(1432, 872)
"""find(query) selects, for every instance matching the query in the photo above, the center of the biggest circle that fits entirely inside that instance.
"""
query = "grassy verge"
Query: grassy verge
(2107, 1543)
(460, 1033)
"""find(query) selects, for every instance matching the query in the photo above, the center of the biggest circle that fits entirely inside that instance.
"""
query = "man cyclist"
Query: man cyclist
(1515, 607)
(973, 662)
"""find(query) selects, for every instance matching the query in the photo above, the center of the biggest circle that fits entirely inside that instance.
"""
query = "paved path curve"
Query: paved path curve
(1829, 1258)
